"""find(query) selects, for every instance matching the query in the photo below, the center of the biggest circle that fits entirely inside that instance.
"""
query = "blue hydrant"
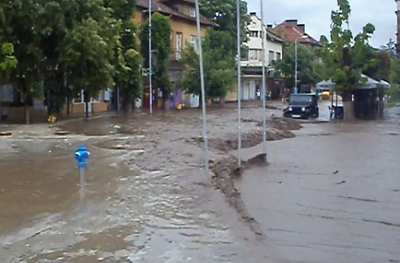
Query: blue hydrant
(81, 156)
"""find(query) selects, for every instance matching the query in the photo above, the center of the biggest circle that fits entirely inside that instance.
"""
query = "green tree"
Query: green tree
(219, 74)
(161, 46)
(7, 60)
(88, 47)
(224, 14)
(346, 56)
(17, 20)
(306, 64)
(390, 47)
(127, 56)
(394, 79)
(379, 66)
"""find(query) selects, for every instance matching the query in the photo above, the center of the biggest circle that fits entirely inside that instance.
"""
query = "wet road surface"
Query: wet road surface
(146, 197)
(331, 194)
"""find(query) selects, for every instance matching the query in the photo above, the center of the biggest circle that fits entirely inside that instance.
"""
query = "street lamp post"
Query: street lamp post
(264, 89)
(150, 62)
(295, 62)
(203, 90)
(239, 80)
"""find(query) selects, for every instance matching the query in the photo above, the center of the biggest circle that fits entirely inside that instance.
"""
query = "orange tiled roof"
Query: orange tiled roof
(290, 33)
(158, 6)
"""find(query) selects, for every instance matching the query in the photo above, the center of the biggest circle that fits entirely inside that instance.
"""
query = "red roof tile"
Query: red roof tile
(158, 6)
(290, 33)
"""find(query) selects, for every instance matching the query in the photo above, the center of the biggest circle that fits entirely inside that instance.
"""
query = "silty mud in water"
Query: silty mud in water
(331, 194)
(146, 199)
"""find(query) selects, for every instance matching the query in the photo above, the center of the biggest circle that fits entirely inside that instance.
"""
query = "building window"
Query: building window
(178, 45)
(278, 56)
(178, 8)
(79, 97)
(193, 42)
(193, 12)
(260, 57)
(253, 54)
(253, 33)
(271, 56)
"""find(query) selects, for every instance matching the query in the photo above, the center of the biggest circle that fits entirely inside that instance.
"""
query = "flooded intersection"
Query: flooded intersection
(148, 200)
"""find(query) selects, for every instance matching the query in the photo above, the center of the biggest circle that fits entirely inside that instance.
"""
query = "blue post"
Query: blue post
(81, 156)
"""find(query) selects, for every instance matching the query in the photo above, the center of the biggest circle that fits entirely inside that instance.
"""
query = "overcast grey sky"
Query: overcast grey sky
(316, 15)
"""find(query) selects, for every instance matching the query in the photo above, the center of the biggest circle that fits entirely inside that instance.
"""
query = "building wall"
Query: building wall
(78, 109)
(186, 28)
(188, 31)
(138, 16)
(249, 86)
(16, 114)
(255, 45)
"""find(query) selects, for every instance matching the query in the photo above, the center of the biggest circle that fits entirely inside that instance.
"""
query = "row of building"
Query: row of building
(183, 24)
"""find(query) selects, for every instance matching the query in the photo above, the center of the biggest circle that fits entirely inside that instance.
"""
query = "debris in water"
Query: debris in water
(6, 133)
(335, 172)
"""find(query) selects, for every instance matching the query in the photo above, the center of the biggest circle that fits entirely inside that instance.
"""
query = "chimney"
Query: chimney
(302, 28)
(292, 22)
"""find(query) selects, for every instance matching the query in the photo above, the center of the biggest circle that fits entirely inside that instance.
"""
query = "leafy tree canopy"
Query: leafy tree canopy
(7, 60)
(161, 46)
(224, 13)
(219, 75)
(306, 65)
(345, 56)
(127, 58)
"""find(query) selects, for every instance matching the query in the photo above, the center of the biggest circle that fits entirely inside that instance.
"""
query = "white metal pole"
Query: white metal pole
(239, 83)
(150, 62)
(264, 90)
(203, 92)
(295, 65)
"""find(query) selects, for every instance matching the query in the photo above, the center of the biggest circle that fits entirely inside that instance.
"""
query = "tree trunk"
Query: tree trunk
(200, 100)
(348, 106)
(86, 99)
(68, 105)
(222, 101)
(127, 105)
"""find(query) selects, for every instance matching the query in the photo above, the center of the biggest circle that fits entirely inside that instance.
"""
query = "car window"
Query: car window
(300, 98)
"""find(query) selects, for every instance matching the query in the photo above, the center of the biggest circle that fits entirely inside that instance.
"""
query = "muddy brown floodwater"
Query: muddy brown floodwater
(331, 194)
(147, 198)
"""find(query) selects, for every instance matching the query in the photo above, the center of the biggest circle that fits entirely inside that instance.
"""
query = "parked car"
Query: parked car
(302, 105)
(325, 95)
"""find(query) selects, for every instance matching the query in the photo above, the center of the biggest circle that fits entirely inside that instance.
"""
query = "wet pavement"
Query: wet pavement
(147, 198)
(331, 194)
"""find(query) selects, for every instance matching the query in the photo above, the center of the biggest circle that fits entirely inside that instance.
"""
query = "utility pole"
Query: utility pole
(203, 92)
(239, 83)
(264, 89)
(150, 61)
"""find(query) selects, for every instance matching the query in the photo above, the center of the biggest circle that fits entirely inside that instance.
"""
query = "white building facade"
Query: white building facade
(252, 64)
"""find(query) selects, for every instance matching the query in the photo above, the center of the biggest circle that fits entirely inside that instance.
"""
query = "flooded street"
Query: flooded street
(330, 194)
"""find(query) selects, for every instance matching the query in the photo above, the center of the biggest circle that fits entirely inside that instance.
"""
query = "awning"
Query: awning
(326, 84)
(385, 84)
